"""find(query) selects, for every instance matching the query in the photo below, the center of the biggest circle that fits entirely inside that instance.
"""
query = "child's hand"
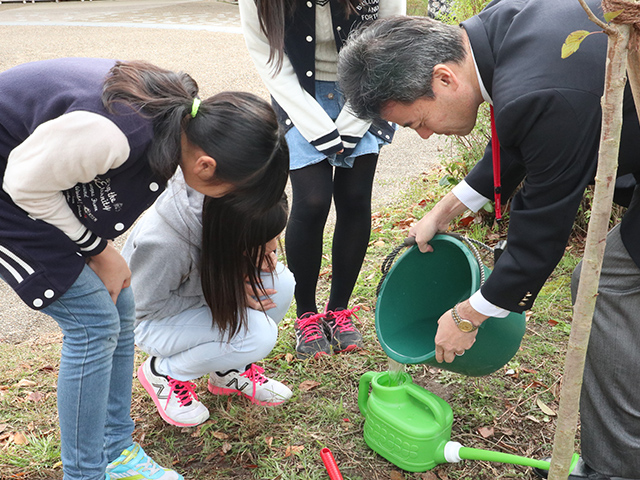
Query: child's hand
(112, 270)
(270, 259)
(266, 304)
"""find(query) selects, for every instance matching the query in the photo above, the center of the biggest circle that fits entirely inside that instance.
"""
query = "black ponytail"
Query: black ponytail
(237, 129)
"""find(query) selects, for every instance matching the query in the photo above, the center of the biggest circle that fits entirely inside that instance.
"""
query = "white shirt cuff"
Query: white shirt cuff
(481, 305)
(467, 195)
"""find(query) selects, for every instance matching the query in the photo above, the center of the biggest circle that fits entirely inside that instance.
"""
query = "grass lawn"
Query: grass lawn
(511, 410)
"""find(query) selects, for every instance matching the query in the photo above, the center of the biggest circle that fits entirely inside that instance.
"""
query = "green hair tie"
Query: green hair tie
(195, 106)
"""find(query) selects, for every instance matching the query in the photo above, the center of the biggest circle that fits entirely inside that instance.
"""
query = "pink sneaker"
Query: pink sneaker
(252, 384)
(344, 336)
(176, 401)
(311, 339)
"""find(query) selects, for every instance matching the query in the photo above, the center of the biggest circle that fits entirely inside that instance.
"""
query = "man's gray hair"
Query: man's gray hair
(392, 59)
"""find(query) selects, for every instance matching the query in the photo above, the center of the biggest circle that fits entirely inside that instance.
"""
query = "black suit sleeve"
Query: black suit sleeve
(552, 135)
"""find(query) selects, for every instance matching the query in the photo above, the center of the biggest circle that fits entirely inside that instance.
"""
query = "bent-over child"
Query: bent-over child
(209, 294)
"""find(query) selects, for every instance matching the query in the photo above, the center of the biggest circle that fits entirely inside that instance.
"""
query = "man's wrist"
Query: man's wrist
(463, 324)
(467, 312)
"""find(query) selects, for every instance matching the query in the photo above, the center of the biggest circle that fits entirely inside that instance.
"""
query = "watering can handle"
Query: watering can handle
(363, 391)
(423, 396)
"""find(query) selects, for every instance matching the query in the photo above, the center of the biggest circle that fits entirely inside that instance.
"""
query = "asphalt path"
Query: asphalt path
(200, 37)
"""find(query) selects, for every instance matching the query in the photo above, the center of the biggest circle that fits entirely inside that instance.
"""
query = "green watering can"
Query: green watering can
(406, 424)
(411, 427)
(420, 287)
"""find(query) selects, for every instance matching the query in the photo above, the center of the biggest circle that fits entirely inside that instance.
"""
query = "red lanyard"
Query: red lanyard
(495, 150)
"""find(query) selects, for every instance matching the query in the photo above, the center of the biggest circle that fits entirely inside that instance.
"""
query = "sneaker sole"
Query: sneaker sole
(229, 391)
(152, 393)
(303, 356)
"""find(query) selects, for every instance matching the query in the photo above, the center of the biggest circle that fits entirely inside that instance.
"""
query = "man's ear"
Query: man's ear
(205, 168)
(443, 77)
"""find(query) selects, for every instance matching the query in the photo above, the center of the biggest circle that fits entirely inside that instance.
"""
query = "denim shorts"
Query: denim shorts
(302, 153)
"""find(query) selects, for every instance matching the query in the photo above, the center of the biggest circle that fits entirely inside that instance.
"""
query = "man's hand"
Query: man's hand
(436, 220)
(112, 269)
(450, 340)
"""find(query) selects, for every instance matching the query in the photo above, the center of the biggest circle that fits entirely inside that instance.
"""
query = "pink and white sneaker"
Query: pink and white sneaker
(252, 384)
(176, 401)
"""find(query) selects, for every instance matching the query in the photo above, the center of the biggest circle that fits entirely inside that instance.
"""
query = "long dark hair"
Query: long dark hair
(233, 248)
(273, 14)
(238, 129)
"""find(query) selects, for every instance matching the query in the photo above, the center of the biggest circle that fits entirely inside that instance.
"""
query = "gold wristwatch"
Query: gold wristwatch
(462, 323)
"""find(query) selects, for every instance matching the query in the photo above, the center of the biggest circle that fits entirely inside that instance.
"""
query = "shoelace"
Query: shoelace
(342, 320)
(310, 327)
(148, 465)
(255, 374)
(185, 391)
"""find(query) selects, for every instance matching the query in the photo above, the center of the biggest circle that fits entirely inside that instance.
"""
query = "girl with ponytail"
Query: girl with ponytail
(86, 145)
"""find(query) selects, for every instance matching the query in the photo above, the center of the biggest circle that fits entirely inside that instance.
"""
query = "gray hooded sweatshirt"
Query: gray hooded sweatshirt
(163, 253)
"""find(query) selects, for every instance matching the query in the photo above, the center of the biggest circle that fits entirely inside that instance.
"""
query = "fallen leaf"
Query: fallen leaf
(26, 383)
(532, 418)
(485, 432)
(379, 243)
(20, 439)
(428, 476)
(268, 441)
(293, 450)
(220, 435)
(465, 221)
(35, 397)
(396, 475)
(3, 427)
(308, 385)
(289, 357)
(226, 447)
(546, 409)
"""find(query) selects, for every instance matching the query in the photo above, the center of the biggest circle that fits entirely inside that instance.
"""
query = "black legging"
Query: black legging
(313, 188)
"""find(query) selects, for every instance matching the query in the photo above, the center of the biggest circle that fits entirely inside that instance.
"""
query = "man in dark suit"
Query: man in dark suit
(433, 77)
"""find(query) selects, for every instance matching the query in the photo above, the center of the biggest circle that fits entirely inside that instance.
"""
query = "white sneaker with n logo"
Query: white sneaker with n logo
(176, 401)
(252, 384)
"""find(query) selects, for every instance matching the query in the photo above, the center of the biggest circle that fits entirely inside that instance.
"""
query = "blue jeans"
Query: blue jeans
(95, 378)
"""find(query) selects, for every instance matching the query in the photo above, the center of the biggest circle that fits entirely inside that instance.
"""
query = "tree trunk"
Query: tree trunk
(615, 77)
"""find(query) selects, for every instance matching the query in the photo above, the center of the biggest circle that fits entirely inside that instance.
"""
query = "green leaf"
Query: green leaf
(611, 15)
(573, 41)
(448, 180)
